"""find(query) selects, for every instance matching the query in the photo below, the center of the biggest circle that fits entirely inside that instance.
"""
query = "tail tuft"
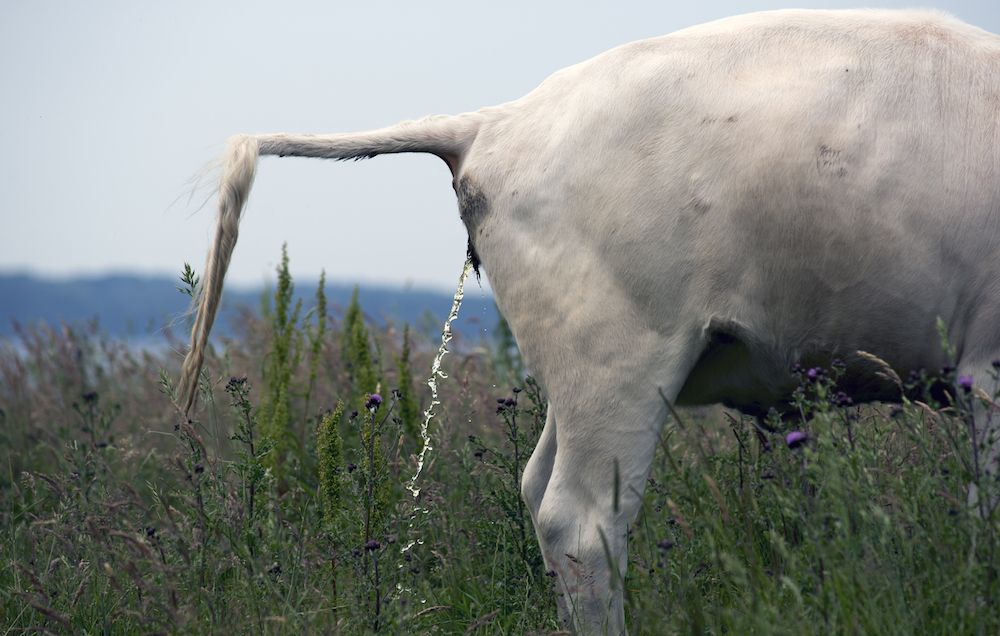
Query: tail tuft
(239, 165)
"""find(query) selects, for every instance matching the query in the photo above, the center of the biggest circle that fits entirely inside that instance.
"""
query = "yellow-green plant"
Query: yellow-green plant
(330, 449)
(283, 358)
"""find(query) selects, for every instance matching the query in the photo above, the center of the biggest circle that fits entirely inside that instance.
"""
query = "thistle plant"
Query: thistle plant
(376, 500)
(251, 456)
(87, 457)
(522, 415)
(374, 467)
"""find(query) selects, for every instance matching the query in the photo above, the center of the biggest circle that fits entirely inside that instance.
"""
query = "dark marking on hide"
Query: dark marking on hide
(826, 154)
(700, 205)
(472, 208)
(830, 160)
(708, 120)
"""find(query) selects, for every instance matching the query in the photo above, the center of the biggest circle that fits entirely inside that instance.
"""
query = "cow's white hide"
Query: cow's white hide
(694, 213)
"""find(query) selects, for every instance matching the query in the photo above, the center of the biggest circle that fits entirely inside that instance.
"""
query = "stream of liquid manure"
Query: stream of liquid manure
(436, 373)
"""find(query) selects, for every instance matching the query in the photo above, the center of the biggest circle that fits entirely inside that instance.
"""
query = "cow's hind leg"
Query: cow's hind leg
(595, 465)
(538, 470)
(536, 477)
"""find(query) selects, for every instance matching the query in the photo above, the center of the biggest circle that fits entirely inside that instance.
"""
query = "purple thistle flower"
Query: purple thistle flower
(374, 401)
(842, 399)
(965, 383)
(813, 373)
(796, 439)
(372, 545)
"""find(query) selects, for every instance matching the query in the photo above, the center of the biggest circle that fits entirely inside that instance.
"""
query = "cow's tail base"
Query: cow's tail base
(448, 137)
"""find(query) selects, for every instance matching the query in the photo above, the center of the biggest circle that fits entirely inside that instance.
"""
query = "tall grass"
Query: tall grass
(281, 508)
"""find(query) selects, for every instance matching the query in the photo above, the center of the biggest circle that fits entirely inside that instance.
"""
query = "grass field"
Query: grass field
(282, 506)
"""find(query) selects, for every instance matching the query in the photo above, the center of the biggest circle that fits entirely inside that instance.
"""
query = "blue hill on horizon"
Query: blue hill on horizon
(140, 306)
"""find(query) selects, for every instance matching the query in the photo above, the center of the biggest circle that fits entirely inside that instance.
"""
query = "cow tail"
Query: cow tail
(448, 137)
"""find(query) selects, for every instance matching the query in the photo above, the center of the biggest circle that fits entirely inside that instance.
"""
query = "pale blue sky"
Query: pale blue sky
(108, 108)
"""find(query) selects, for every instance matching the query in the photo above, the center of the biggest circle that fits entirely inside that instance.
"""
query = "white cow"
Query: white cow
(694, 213)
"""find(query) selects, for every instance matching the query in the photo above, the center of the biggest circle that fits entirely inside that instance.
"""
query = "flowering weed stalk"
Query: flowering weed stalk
(283, 359)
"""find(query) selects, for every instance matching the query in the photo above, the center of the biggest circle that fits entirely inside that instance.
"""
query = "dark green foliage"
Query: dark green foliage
(190, 281)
